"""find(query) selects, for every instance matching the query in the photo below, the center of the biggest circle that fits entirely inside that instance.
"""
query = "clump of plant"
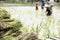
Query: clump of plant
(8, 25)
(10, 29)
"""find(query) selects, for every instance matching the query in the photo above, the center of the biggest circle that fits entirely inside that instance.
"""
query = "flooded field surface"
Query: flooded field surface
(37, 21)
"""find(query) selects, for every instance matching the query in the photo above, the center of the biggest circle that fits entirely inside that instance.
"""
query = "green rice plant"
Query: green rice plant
(2, 10)
(47, 33)
(53, 35)
(17, 25)
(47, 26)
(2, 39)
(42, 26)
(50, 21)
(32, 28)
(37, 30)
(58, 24)
(25, 28)
(8, 38)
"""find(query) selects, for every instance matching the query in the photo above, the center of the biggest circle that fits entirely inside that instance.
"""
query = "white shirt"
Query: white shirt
(51, 2)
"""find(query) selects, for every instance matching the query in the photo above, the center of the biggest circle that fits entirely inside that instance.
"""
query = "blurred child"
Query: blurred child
(37, 3)
(51, 3)
(48, 9)
(42, 4)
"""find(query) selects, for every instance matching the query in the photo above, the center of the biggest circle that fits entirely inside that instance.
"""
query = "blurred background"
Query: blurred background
(25, 2)
(20, 21)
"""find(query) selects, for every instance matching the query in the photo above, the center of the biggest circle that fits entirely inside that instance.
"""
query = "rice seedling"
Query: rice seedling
(46, 27)
(37, 30)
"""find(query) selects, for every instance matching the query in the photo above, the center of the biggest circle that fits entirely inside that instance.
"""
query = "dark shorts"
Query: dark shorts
(42, 7)
(49, 12)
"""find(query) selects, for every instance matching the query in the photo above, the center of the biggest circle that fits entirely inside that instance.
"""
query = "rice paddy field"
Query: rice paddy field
(36, 21)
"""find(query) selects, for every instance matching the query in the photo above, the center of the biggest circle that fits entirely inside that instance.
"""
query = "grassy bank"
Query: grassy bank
(17, 4)
(57, 3)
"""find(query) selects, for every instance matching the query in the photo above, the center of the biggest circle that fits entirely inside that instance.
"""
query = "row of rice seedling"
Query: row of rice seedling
(46, 28)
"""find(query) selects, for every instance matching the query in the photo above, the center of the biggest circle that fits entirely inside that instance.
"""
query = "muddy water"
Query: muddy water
(30, 17)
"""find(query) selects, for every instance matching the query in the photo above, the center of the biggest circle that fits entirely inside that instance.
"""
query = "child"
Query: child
(51, 3)
(42, 4)
(37, 2)
(48, 9)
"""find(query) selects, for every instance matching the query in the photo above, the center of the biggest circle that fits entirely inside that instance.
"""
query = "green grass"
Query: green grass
(57, 3)
(22, 3)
